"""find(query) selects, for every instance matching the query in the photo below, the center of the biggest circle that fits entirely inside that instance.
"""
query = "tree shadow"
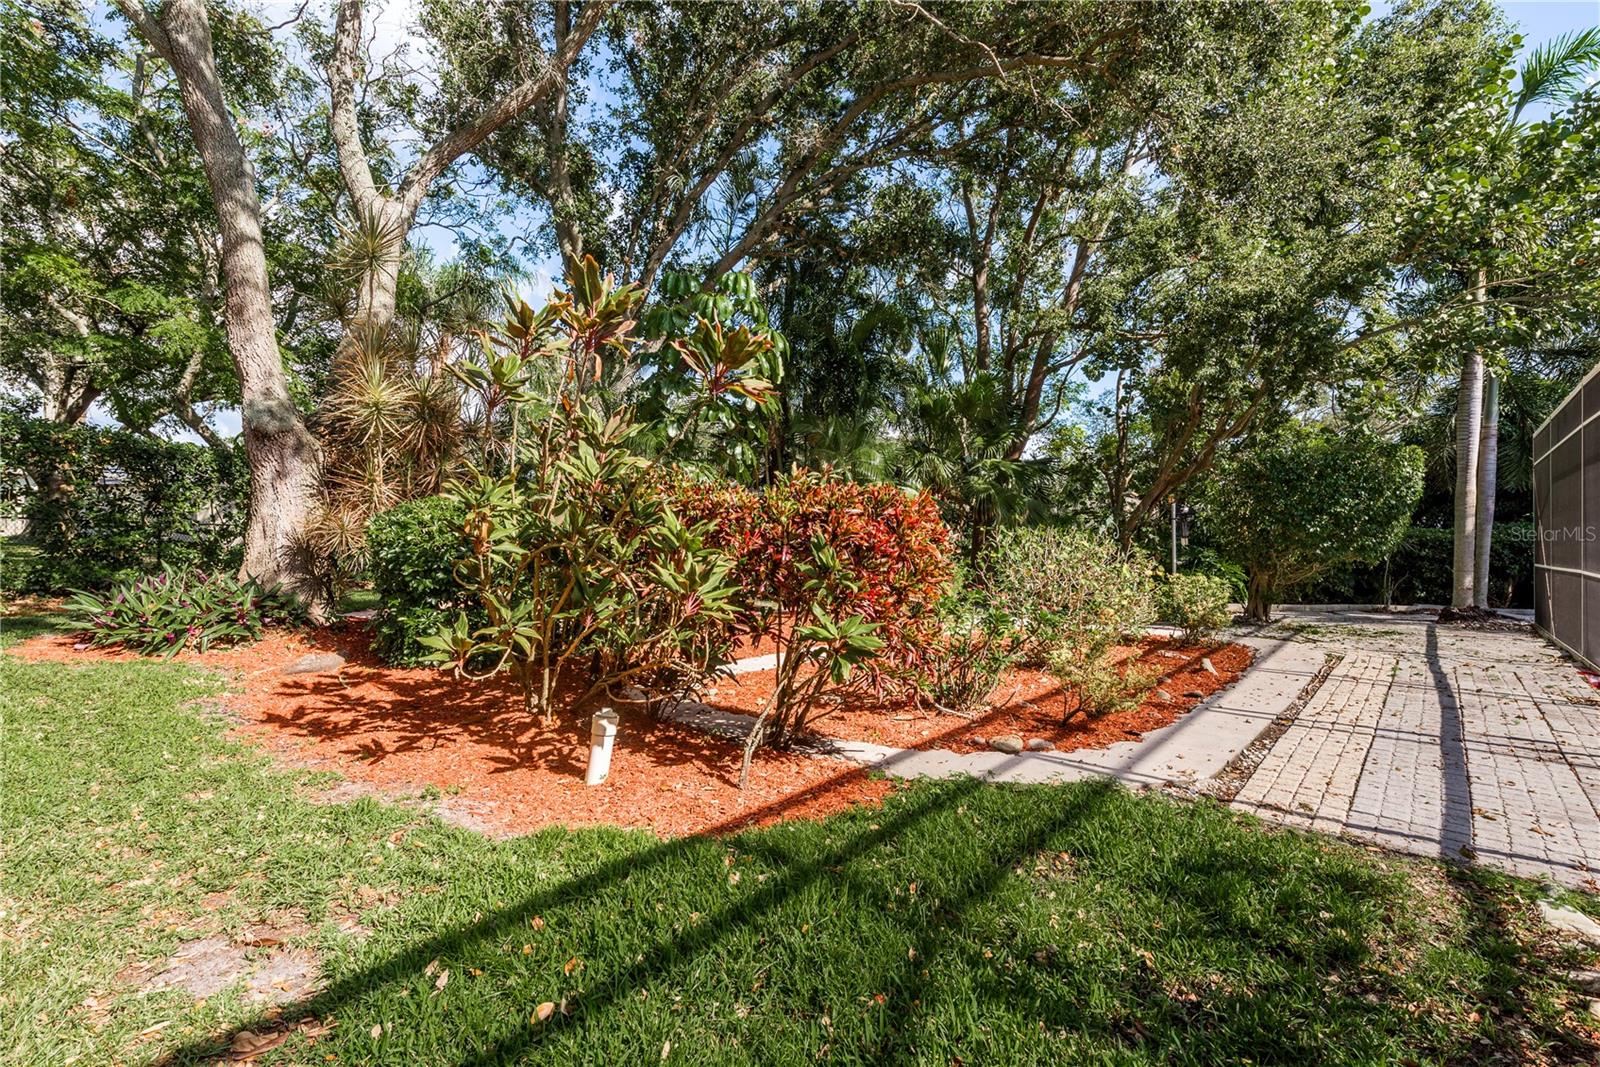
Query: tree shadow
(371, 712)
(662, 956)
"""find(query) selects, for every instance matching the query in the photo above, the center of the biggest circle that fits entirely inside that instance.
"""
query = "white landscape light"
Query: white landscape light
(602, 734)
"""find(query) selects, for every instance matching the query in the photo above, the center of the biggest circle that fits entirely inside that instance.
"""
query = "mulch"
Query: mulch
(1026, 703)
(401, 728)
(392, 729)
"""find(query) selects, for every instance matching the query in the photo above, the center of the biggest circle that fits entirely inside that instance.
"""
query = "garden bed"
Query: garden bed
(1028, 704)
(392, 730)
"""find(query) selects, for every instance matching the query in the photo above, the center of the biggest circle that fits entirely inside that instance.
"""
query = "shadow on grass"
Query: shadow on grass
(30, 623)
(665, 953)
(1205, 942)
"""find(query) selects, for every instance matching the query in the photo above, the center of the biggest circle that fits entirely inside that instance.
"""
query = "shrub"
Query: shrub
(412, 549)
(840, 574)
(165, 613)
(1195, 603)
(574, 562)
(1291, 505)
(1063, 585)
(959, 666)
(103, 505)
(893, 544)
(1418, 571)
(1100, 685)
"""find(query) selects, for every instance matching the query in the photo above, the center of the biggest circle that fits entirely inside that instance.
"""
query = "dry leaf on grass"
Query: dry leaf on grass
(247, 1044)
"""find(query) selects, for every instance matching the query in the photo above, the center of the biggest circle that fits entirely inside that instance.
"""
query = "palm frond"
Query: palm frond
(1557, 70)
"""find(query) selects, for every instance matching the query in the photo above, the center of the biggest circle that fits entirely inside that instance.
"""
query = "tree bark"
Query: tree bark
(284, 458)
(1488, 471)
(1258, 599)
(1469, 424)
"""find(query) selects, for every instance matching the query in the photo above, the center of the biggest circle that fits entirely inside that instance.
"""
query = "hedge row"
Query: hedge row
(103, 505)
(1419, 570)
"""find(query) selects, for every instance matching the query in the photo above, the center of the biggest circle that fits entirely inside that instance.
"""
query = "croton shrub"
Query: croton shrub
(845, 577)
(892, 545)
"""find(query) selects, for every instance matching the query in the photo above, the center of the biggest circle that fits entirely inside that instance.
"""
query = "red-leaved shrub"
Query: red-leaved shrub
(893, 545)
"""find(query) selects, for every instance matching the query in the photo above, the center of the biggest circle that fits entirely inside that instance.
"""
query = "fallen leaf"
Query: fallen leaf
(248, 1044)
(571, 965)
(666, 1047)
(377, 1031)
(536, 922)
(544, 1011)
(527, 950)
(439, 982)
(431, 967)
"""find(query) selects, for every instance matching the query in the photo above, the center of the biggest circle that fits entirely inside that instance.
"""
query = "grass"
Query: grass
(360, 600)
(960, 923)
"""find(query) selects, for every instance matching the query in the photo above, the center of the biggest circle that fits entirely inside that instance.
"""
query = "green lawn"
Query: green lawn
(959, 924)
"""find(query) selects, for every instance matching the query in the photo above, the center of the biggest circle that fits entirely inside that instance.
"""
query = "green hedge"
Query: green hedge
(412, 549)
(103, 505)
(1419, 571)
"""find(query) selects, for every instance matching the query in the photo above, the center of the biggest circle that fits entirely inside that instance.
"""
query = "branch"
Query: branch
(461, 141)
(148, 27)
(346, 126)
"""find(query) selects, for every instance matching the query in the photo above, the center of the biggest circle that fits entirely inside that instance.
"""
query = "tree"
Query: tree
(109, 287)
(283, 454)
(1266, 281)
(1507, 215)
(736, 118)
(388, 204)
(1297, 502)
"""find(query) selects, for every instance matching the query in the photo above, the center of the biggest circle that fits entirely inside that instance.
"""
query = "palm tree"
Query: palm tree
(1553, 73)
(956, 440)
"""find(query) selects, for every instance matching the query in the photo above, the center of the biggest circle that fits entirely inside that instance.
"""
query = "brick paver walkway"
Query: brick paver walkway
(1443, 742)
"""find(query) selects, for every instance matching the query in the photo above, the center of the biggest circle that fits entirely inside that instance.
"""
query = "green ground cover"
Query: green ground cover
(961, 923)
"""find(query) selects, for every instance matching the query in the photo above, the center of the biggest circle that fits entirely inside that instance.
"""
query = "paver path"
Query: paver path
(1431, 739)
(1443, 742)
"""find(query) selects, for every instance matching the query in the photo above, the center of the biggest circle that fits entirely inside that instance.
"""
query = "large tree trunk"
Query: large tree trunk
(1488, 471)
(1469, 424)
(283, 455)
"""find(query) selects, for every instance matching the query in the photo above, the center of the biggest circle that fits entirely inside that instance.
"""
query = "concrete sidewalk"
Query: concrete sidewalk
(1194, 748)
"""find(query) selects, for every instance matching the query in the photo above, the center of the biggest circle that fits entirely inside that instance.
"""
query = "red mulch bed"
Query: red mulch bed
(1031, 704)
(398, 729)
